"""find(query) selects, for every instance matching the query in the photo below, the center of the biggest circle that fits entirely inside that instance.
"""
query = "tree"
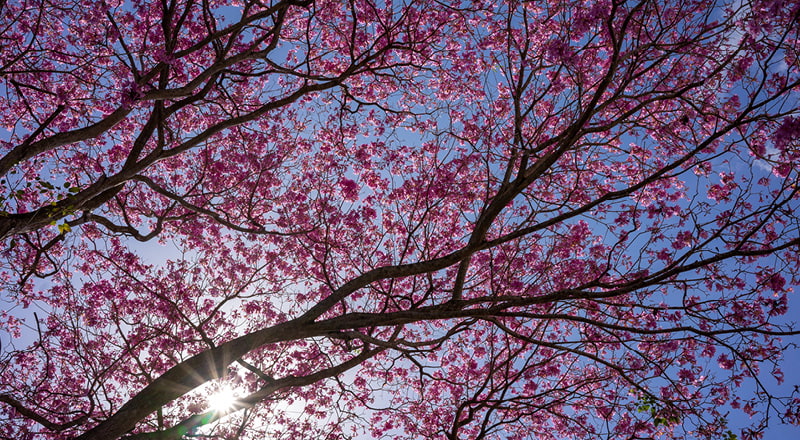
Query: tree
(413, 219)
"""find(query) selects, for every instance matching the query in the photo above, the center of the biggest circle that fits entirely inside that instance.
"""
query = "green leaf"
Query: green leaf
(729, 435)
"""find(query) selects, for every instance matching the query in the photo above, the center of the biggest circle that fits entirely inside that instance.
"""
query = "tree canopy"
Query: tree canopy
(398, 219)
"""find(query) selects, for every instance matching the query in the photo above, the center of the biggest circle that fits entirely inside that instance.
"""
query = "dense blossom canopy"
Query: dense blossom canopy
(406, 219)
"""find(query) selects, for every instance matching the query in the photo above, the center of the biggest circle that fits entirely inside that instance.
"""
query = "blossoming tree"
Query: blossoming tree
(397, 219)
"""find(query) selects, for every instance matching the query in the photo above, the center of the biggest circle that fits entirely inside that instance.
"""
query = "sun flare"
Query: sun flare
(223, 400)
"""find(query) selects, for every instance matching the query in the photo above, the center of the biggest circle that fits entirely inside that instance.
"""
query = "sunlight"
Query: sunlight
(223, 400)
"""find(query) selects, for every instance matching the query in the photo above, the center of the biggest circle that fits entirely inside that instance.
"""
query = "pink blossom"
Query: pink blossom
(724, 362)
(349, 189)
